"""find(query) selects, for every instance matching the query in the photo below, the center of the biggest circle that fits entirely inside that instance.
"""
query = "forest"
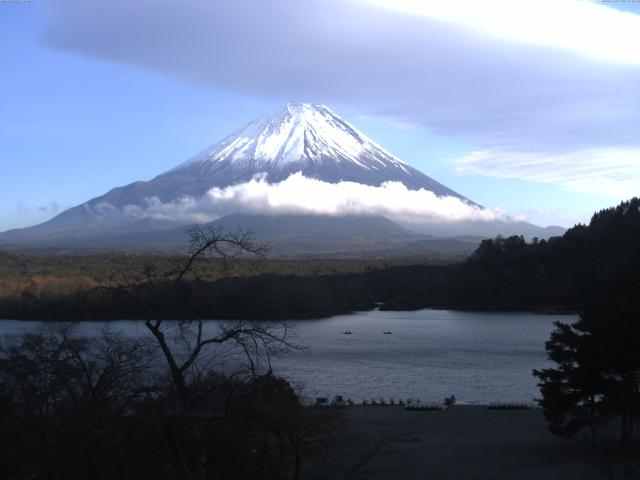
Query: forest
(556, 275)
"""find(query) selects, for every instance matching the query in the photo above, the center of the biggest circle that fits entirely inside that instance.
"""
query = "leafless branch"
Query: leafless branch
(211, 242)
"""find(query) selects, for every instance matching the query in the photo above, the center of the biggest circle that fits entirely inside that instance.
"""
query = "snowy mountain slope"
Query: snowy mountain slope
(300, 137)
(296, 137)
(296, 133)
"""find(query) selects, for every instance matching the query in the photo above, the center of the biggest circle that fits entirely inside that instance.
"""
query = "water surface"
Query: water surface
(430, 354)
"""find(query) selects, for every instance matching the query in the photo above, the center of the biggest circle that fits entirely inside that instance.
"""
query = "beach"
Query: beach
(467, 442)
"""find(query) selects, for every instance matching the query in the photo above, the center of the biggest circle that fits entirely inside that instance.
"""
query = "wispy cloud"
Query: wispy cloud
(397, 122)
(52, 208)
(25, 214)
(299, 194)
(614, 172)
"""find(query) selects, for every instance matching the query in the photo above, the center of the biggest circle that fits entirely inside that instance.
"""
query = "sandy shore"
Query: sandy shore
(468, 442)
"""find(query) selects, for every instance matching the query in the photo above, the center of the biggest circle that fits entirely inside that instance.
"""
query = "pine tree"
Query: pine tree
(597, 373)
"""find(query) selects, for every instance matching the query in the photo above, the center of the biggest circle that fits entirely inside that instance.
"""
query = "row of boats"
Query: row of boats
(410, 404)
(349, 332)
(414, 404)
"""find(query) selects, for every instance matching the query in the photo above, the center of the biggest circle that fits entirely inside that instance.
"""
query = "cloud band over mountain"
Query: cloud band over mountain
(551, 75)
(302, 195)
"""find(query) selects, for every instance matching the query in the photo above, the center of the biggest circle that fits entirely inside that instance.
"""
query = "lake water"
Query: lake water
(478, 357)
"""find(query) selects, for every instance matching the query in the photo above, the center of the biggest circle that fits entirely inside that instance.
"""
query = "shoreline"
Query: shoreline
(277, 318)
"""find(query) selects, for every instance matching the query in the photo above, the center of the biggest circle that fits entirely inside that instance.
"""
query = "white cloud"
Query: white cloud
(614, 172)
(185, 210)
(299, 194)
(517, 74)
(576, 25)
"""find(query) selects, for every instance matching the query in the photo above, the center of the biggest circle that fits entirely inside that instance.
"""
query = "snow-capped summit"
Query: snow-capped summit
(297, 133)
(306, 138)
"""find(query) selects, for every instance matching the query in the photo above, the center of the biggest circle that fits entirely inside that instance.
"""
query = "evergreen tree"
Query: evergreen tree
(597, 373)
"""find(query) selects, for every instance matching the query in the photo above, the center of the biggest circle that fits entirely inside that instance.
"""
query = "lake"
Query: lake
(430, 354)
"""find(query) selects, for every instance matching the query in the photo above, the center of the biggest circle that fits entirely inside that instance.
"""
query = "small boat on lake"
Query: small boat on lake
(348, 332)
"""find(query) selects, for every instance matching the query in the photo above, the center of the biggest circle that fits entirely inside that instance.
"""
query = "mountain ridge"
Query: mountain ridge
(297, 138)
(306, 138)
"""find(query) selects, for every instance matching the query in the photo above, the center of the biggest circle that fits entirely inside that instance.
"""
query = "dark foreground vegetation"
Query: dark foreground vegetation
(562, 274)
(163, 407)
(593, 391)
(106, 407)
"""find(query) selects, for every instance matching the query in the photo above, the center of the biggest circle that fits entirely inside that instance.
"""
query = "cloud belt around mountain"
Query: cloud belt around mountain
(301, 195)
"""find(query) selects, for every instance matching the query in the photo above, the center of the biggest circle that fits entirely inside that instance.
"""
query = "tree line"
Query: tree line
(593, 388)
(559, 274)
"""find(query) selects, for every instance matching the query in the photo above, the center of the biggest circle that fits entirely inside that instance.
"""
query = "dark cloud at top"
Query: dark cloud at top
(492, 93)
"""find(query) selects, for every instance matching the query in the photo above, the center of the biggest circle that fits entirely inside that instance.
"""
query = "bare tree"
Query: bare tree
(190, 350)
(256, 339)
(67, 401)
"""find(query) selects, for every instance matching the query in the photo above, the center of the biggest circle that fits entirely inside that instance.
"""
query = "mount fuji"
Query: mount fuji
(297, 138)
(305, 138)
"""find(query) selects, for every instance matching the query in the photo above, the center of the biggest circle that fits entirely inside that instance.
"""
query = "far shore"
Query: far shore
(284, 317)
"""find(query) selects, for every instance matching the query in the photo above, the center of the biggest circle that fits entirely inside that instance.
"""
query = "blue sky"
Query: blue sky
(95, 95)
